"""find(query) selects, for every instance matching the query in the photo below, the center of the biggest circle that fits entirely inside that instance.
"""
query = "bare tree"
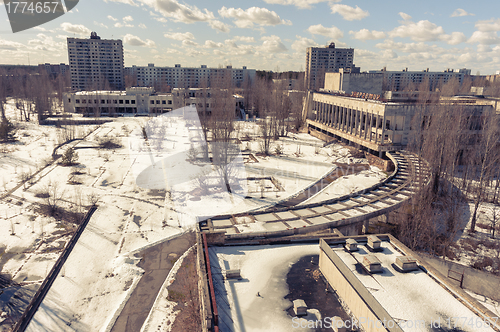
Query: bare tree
(485, 158)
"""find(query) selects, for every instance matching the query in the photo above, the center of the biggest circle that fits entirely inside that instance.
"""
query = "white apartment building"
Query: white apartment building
(320, 60)
(399, 80)
(95, 63)
(188, 77)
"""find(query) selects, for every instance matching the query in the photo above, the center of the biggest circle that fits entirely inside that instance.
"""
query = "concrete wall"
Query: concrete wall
(358, 299)
(354, 82)
(476, 281)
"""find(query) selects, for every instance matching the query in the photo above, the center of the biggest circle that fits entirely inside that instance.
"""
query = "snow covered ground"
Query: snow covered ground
(256, 303)
(101, 272)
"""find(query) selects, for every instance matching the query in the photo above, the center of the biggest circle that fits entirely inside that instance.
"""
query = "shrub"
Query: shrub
(69, 157)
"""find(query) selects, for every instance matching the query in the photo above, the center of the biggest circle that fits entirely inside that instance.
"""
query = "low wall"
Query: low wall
(476, 281)
(358, 299)
(385, 165)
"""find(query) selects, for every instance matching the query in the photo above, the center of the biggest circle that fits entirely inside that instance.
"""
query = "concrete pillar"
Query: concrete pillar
(366, 225)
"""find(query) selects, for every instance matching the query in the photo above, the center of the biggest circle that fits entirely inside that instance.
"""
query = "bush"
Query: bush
(69, 157)
(483, 263)
(109, 143)
(7, 130)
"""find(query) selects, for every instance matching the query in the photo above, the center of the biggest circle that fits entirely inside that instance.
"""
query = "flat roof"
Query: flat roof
(273, 276)
(413, 299)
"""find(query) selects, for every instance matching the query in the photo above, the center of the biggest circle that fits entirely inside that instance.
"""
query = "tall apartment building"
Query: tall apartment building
(188, 77)
(320, 60)
(399, 80)
(95, 63)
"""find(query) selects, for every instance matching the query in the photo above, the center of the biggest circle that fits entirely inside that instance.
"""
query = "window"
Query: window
(114, 101)
(163, 102)
(170, 102)
(121, 101)
(102, 101)
(127, 101)
(152, 102)
(157, 102)
(132, 101)
(77, 101)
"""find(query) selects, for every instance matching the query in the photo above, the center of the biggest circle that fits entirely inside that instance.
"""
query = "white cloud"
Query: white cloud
(179, 35)
(128, 2)
(349, 13)
(405, 16)
(272, 44)
(420, 31)
(420, 47)
(247, 18)
(136, 41)
(365, 34)
(142, 26)
(10, 45)
(112, 18)
(218, 25)
(102, 25)
(302, 43)
(187, 42)
(488, 25)
(484, 38)
(212, 44)
(78, 29)
(460, 12)
(333, 32)
(179, 12)
(128, 18)
(298, 3)
(245, 39)
(454, 38)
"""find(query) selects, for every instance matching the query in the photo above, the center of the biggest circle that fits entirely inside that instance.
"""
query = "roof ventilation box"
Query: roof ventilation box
(351, 245)
(374, 243)
(372, 264)
(233, 274)
(299, 307)
(406, 263)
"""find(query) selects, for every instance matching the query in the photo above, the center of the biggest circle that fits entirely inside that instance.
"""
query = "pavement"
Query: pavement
(157, 262)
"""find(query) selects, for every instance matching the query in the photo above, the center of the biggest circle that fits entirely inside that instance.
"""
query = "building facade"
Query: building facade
(142, 101)
(320, 60)
(399, 80)
(375, 125)
(188, 77)
(96, 63)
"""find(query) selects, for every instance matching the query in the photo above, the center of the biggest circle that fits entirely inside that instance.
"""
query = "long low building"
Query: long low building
(142, 101)
(377, 124)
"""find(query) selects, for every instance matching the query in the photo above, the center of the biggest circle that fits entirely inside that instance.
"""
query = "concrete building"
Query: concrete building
(321, 60)
(53, 70)
(188, 77)
(347, 82)
(376, 125)
(96, 63)
(141, 101)
(399, 80)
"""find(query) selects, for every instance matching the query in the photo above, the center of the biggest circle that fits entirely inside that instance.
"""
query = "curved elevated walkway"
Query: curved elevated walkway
(409, 174)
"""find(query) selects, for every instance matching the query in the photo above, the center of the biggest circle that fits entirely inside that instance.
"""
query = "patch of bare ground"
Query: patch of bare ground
(184, 291)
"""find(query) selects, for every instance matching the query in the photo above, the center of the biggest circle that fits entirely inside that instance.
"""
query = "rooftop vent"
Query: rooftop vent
(373, 242)
(299, 307)
(406, 263)
(351, 245)
(372, 264)
(233, 274)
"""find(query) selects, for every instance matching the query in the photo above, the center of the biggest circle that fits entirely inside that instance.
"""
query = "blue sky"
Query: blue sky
(273, 34)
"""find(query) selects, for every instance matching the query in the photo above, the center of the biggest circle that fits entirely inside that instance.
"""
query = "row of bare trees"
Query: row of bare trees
(460, 143)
